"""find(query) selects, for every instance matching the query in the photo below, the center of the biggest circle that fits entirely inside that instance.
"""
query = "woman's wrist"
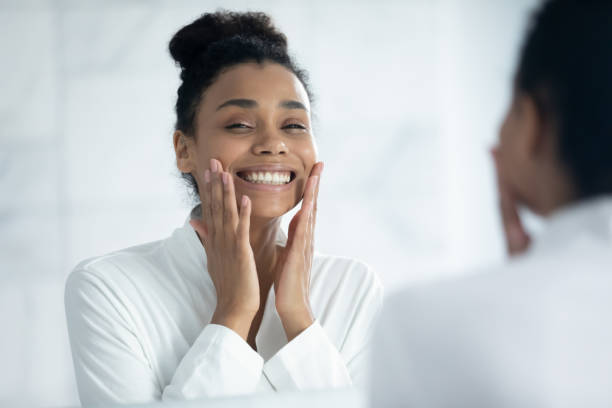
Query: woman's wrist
(238, 321)
(296, 320)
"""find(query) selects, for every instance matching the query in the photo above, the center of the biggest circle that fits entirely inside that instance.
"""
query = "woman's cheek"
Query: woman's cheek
(228, 151)
(309, 156)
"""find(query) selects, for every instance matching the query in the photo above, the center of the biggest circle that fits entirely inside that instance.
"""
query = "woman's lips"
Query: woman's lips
(266, 177)
(263, 186)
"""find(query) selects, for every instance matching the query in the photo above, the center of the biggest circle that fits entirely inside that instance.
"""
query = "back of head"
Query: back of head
(566, 66)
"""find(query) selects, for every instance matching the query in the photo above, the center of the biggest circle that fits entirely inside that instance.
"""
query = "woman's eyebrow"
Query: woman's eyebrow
(292, 105)
(250, 104)
(241, 103)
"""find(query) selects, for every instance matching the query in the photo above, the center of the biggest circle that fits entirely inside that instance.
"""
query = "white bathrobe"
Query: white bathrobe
(534, 333)
(139, 328)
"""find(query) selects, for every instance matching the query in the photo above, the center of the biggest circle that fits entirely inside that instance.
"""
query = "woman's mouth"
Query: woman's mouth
(275, 178)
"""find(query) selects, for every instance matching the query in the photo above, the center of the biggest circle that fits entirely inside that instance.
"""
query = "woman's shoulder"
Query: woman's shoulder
(115, 267)
(334, 270)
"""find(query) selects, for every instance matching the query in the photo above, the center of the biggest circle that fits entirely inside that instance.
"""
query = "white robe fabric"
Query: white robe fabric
(534, 333)
(138, 321)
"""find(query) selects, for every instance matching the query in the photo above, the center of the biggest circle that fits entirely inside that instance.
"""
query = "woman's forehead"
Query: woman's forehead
(267, 82)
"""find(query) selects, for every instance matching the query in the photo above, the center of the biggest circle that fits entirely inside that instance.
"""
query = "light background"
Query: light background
(409, 97)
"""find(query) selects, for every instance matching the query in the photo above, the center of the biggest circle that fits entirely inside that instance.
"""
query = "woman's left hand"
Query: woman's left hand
(292, 275)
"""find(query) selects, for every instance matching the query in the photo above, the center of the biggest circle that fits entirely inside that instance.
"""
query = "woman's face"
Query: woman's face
(255, 119)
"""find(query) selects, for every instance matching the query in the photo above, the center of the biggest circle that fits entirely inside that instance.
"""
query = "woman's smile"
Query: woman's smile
(266, 177)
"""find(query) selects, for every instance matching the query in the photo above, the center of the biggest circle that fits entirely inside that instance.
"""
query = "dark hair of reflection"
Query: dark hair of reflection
(566, 66)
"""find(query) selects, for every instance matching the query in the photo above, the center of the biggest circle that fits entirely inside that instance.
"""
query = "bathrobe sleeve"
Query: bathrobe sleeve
(112, 368)
(312, 360)
(309, 361)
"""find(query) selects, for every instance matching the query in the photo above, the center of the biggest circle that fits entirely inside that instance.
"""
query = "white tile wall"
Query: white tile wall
(408, 97)
(29, 80)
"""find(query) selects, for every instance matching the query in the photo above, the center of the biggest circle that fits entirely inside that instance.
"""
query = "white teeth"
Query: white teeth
(274, 178)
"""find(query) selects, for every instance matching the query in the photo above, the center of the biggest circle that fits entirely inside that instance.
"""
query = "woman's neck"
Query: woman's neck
(263, 233)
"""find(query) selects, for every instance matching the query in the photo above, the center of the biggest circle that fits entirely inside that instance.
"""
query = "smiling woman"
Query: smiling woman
(258, 138)
(228, 304)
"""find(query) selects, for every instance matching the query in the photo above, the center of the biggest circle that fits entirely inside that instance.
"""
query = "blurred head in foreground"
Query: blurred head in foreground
(555, 143)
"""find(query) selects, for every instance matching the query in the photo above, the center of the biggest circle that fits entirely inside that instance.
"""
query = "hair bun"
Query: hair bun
(194, 39)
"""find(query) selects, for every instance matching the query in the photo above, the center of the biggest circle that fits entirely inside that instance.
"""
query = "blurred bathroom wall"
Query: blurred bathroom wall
(409, 97)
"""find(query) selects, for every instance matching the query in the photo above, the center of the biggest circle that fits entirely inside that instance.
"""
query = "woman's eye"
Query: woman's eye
(295, 126)
(238, 126)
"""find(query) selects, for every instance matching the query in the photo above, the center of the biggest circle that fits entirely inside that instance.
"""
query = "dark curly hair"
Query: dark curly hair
(217, 41)
(566, 67)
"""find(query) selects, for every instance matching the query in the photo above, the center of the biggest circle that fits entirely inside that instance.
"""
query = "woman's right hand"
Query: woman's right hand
(225, 235)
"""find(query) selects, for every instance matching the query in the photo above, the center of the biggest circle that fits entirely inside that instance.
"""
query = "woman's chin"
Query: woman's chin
(270, 208)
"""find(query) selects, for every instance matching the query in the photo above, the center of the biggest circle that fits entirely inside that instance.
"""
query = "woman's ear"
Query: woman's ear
(532, 124)
(185, 152)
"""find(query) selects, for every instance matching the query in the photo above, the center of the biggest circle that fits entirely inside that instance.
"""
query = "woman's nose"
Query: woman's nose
(270, 145)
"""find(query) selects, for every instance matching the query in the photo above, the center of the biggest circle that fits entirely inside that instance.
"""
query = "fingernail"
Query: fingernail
(225, 178)
(245, 200)
(213, 165)
(207, 176)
